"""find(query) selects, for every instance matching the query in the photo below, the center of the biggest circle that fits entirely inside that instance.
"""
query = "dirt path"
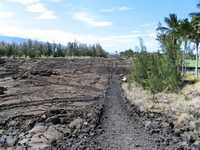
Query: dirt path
(121, 132)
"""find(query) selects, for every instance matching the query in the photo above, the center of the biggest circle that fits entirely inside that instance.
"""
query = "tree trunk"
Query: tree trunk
(186, 51)
(183, 59)
(197, 59)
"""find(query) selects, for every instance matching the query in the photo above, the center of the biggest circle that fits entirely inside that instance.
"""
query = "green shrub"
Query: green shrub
(158, 71)
(155, 72)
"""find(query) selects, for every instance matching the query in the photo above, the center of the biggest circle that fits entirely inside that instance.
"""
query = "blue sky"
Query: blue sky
(115, 24)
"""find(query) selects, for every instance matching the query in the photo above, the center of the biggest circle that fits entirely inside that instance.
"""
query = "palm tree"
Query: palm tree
(185, 30)
(173, 24)
(195, 35)
(171, 33)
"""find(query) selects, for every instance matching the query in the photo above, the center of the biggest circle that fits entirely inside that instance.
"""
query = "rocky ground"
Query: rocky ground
(121, 131)
(79, 104)
(51, 103)
(174, 115)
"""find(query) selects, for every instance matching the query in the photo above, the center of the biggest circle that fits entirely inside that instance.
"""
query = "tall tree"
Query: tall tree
(169, 36)
(195, 35)
(185, 30)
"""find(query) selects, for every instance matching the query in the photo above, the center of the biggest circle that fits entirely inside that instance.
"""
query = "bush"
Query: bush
(156, 71)
(127, 54)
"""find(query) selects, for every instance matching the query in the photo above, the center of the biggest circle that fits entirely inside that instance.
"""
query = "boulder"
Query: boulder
(23, 141)
(38, 141)
(183, 120)
(195, 146)
(181, 146)
(39, 146)
(37, 129)
(190, 138)
(10, 140)
(1, 132)
(2, 90)
(2, 61)
(63, 129)
(197, 126)
(53, 135)
(2, 140)
(76, 124)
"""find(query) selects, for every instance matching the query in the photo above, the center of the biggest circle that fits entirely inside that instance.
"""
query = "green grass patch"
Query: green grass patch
(190, 63)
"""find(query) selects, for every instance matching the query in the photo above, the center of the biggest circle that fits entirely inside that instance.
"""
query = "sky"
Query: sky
(115, 24)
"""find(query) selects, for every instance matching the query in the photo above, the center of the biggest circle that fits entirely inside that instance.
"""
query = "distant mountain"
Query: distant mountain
(9, 39)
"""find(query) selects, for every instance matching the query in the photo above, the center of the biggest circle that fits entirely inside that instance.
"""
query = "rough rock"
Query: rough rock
(195, 146)
(10, 140)
(2, 61)
(1, 132)
(45, 97)
(52, 134)
(2, 90)
(37, 129)
(183, 120)
(197, 126)
(76, 124)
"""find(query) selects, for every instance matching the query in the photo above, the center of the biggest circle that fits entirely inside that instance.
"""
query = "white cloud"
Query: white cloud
(135, 31)
(109, 42)
(126, 41)
(25, 2)
(36, 7)
(107, 10)
(6, 14)
(121, 8)
(52, 35)
(47, 16)
(148, 25)
(56, 1)
(86, 18)
(124, 8)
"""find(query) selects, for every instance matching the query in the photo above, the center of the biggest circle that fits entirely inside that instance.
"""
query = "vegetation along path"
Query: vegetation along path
(121, 132)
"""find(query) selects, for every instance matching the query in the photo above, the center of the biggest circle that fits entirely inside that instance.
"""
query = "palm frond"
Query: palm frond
(160, 28)
(198, 5)
(193, 14)
(172, 21)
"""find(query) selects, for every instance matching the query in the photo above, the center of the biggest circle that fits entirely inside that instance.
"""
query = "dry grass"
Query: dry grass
(190, 76)
(181, 106)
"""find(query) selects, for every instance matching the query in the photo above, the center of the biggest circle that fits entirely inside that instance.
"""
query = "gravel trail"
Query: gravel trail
(120, 132)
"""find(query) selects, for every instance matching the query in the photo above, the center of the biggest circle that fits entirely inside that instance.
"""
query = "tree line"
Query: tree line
(182, 33)
(164, 69)
(31, 48)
